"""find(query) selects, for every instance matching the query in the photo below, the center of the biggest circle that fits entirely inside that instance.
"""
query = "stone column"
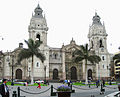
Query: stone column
(63, 65)
(83, 69)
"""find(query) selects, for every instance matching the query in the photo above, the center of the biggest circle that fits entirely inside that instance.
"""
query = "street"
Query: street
(45, 91)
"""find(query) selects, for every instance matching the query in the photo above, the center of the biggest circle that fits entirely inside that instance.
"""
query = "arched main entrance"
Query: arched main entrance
(18, 74)
(73, 73)
(55, 74)
(89, 74)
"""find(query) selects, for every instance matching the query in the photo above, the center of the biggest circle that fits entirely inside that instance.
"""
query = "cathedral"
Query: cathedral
(58, 64)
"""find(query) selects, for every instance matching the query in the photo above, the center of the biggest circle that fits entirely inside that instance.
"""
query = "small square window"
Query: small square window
(37, 64)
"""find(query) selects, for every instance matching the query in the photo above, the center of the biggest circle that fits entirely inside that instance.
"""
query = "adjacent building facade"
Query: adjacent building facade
(58, 64)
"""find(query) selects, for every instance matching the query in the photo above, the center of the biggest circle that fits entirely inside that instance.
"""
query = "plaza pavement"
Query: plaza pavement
(80, 91)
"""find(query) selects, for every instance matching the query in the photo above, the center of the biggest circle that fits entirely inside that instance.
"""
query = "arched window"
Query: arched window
(101, 44)
(55, 55)
(38, 37)
(89, 74)
(103, 58)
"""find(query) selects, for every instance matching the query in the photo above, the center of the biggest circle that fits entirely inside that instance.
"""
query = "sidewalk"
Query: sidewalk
(112, 94)
(80, 91)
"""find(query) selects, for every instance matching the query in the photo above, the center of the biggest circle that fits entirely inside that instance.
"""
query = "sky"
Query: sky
(66, 19)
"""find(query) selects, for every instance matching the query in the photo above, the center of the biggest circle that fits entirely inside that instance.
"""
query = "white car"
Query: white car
(39, 81)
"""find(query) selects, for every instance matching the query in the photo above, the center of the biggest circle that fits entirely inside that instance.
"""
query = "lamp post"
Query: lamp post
(45, 72)
(12, 70)
(29, 72)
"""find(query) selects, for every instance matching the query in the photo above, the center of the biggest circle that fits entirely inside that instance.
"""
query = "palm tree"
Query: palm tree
(30, 52)
(84, 54)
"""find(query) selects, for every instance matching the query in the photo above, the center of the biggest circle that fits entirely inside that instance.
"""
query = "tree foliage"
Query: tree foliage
(33, 49)
(84, 54)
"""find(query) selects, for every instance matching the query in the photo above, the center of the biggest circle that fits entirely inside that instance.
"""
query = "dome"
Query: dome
(96, 19)
(38, 12)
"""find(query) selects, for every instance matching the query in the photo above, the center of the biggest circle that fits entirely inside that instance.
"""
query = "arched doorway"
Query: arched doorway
(18, 74)
(55, 74)
(73, 73)
(89, 74)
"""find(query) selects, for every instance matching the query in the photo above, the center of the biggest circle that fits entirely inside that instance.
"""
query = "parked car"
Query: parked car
(20, 81)
(39, 81)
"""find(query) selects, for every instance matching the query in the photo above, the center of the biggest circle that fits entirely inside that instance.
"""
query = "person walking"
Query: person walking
(39, 86)
(97, 83)
(103, 82)
(69, 83)
(4, 89)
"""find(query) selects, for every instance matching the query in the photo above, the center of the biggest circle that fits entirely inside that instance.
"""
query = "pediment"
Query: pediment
(71, 48)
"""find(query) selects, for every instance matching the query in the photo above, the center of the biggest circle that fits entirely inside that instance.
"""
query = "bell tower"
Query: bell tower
(38, 26)
(38, 31)
(98, 42)
(97, 35)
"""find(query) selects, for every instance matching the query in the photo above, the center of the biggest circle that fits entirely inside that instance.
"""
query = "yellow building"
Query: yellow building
(117, 67)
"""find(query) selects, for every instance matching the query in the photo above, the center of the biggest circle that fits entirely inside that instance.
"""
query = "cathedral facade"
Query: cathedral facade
(58, 64)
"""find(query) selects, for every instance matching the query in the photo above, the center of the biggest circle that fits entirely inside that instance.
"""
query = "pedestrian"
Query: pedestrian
(69, 83)
(4, 89)
(47, 82)
(39, 86)
(26, 83)
(89, 82)
(110, 82)
(103, 83)
(97, 83)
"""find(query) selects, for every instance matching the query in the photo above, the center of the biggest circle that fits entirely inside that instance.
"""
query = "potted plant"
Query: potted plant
(64, 91)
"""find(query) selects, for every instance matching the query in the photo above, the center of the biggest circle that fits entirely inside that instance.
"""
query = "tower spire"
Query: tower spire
(95, 12)
(96, 19)
(38, 12)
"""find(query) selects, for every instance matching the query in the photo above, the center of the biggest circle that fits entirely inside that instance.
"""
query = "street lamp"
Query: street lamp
(45, 72)
(12, 70)
(10, 59)
(29, 72)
